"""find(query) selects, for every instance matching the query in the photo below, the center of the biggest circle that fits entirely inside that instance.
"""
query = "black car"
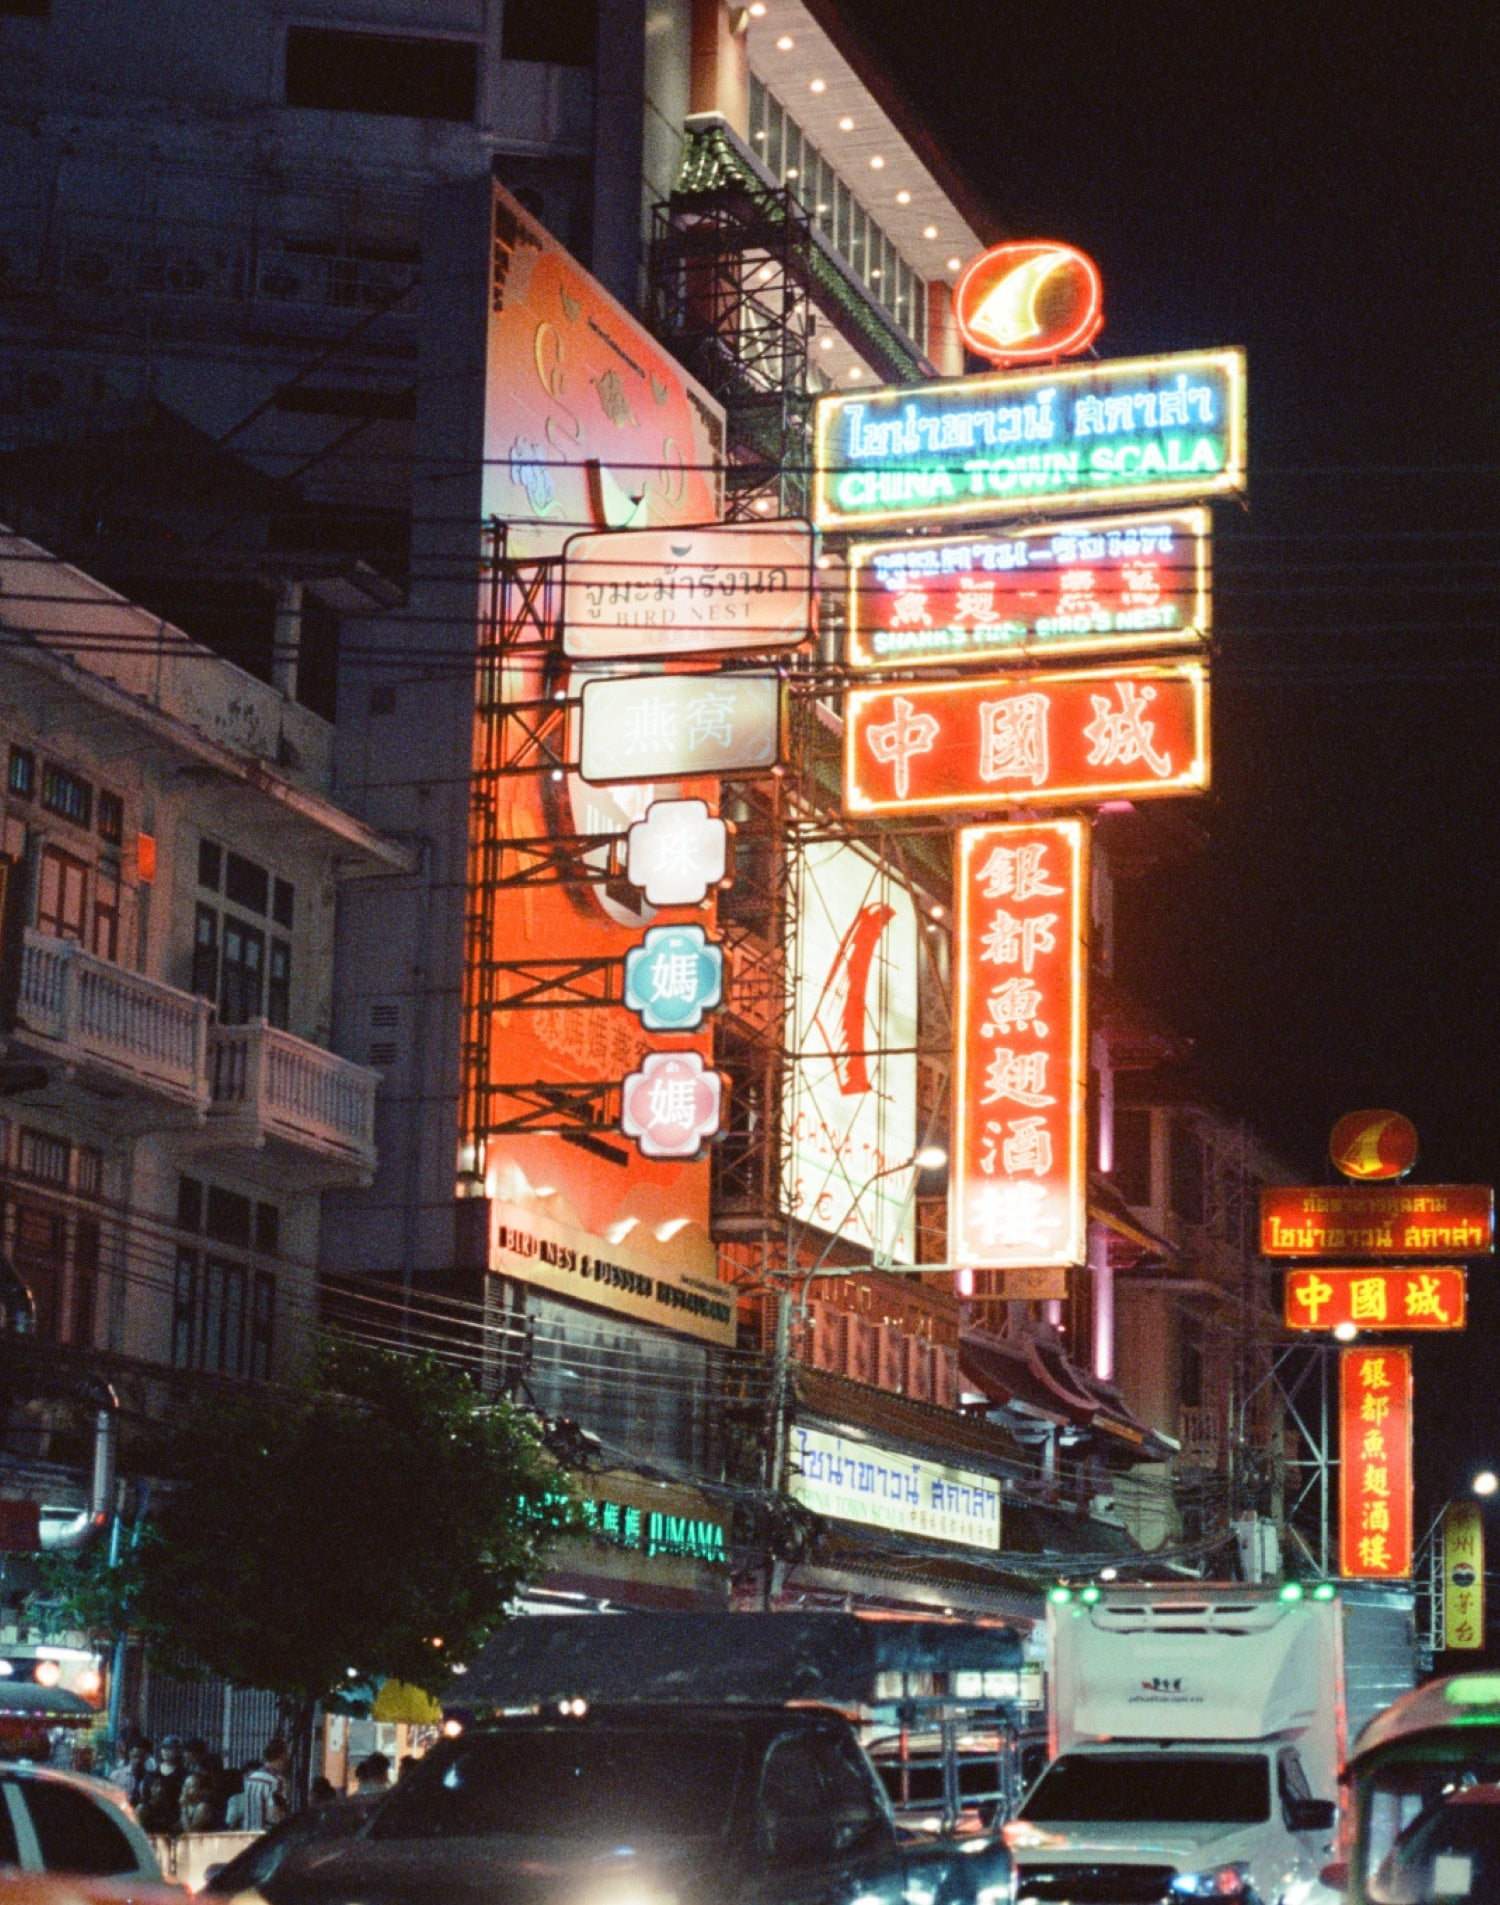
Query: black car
(638, 1805)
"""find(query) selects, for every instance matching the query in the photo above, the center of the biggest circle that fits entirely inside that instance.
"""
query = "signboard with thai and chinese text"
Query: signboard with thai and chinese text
(851, 1104)
(855, 1481)
(1105, 435)
(1367, 1220)
(1132, 733)
(668, 727)
(1017, 1185)
(1433, 1297)
(1463, 1575)
(1375, 1476)
(646, 592)
(1122, 582)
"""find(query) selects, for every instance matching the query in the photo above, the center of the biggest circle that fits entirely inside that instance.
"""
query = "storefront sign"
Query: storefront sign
(1145, 430)
(1027, 740)
(673, 977)
(1370, 1299)
(855, 1481)
(677, 853)
(734, 586)
(1375, 1479)
(670, 727)
(852, 1032)
(650, 1531)
(1028, 302)
(672, 1106)
(1018, 1179)
(1373, 1144)
(1463, 1575)
(1356, 1220)
(1117, 583)
(590, 1269)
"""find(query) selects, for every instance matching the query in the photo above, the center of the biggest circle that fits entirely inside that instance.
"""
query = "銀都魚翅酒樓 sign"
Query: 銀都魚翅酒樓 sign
(1147, 430)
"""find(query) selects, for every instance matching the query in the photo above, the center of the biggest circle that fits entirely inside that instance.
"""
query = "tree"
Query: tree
(372, 1522)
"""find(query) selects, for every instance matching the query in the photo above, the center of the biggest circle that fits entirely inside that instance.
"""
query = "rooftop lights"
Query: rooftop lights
(877, 164)
(929, 231)
(846, 124)
(1324, 1591)
(903, 198)
(785, 43)
(1060, 1595)
(817, 85)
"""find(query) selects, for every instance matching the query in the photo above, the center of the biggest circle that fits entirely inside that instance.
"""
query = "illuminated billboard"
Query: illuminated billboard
(1377, 1220)
(1029, 301)
(1018, 1177)
(1375, 1477)
(1113, 583)
(1027, 740)
(851, 1104)
(665, 727)
(1463, 1575)
(1431, 1298)
(1146, 430)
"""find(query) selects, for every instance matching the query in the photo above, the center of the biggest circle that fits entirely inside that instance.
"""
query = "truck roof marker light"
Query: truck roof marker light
(1473, 1690)
(1060, 1596)
(1324, 1591)
(1291, 1592)
(1089, 1594)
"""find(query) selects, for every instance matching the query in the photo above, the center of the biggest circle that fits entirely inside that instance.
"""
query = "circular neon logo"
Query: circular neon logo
(1373, 1144)
(1026, 302)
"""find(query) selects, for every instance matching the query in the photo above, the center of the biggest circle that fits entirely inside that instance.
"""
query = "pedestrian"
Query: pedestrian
(135, 1769)
(160, 1808)
(373, 1774)
(267, 1798)
(322, 1790)
(199, 1801)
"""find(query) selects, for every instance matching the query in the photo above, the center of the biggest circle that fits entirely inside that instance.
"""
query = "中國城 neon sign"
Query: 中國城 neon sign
(1139, 430)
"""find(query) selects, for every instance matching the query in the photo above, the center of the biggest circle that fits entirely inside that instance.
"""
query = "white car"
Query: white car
(68, 1824)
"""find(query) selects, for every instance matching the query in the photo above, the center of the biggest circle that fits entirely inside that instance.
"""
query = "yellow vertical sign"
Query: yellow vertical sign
(1463, 1575)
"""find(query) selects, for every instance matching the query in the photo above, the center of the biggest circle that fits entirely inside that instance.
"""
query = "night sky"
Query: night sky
(1317, 183)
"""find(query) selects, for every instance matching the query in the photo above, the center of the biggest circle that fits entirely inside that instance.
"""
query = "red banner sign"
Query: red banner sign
(1027, 740)
(1018, 1177)
(1375, 1506)
(1426, 1299)
(1366, 1220)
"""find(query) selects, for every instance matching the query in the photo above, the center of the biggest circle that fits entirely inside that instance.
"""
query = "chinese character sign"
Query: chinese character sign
(1027, 740)
(664, 727)
(1375, 1482)
(1377, 1220)
(1017, 1189)
(672, 1105)
(1117, 582)
(1430, 1298)
(1463, 1575)
(673, 977)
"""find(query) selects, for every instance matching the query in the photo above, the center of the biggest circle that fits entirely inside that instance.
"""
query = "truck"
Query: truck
(1196, 1737)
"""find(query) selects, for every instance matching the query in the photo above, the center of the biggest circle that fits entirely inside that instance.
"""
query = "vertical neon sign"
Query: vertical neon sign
(1375, 1482)
(1017, 1196)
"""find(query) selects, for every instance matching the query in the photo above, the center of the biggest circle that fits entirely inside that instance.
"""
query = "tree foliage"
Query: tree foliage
(372, 1522)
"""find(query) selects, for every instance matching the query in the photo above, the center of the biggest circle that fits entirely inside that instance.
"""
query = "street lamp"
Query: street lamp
(1485, 1482)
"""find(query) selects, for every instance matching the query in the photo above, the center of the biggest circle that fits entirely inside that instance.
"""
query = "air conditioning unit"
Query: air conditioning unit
(862, 1350)
(892, 1368)
(945, 1377)
(918, 1368)
(826, 1337)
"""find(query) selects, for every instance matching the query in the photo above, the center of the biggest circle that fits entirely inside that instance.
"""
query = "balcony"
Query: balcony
(304, 1116)
(112, 1036)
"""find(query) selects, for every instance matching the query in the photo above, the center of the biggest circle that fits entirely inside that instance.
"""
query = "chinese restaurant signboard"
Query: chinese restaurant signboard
(1375, 1479)
(1390, 1220)
(643, 592)
(671, 727)
(1432, 1298)
(1118, 583)
(1106, 435)
(1018, 1179)
(1027, 740)
(855, 1481)
(1463, 1575)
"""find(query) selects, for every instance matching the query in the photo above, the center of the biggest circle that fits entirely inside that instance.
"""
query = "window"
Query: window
(223, 1315)
(75, 1833)
(85, 1280)
(815, 1802)
(279, 985)
(62, 895)
(1190, 1374)
(65, 794)
(210, 864)
(227, 1218)
(232, 964)
(283, 902)
(241, 972)
(246, 884)
(106, 939)
(88, 1171)
(43, 1157)
(332, 71)
(1131, 1169)
(41, 1261)
(1187, 1172)
(22, 773)
(111, 818)
(206, 953)
(558, 32)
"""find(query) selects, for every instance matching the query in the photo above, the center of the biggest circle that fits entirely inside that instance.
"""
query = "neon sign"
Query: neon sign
(1024, 303)
(1147, 430)
(1377, 1220)
(1017, 1184)
(1027, 740)
(1373, 1299)
(1115, 582)
(1375, 1479)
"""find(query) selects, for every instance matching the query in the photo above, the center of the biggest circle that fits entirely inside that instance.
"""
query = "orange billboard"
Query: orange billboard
(1377, 1220)
(1375, 1478)
(1431, 1298)
(589, 425)
(1018, 1176)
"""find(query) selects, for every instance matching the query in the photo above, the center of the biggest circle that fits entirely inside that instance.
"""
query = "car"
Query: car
(248, 1870)
(643, 1805)
(68, 1823)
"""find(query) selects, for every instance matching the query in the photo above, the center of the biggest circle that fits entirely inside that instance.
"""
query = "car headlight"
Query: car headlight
(1217, 1881)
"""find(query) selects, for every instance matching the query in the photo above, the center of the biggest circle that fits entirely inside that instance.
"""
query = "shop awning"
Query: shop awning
(1039, 1380)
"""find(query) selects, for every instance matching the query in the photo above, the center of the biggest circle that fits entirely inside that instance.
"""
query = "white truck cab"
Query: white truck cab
(1196, 1734)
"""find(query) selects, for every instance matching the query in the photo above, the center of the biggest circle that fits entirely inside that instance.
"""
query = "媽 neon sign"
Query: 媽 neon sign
(1138, 430)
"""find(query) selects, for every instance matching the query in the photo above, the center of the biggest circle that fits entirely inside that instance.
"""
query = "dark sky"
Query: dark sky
(1317, 183)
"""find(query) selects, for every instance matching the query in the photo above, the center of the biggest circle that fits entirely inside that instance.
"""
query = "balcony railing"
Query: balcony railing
(268, 1084)
(104, 1018)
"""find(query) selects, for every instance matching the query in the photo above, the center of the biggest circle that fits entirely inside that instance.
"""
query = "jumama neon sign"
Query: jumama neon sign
(1148, 430)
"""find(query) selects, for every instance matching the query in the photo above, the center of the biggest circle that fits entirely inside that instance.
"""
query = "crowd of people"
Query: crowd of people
(184, 1785)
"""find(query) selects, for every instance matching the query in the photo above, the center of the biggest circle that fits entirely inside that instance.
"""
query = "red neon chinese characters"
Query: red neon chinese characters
(1375, 1507)
(1027, 740)
(1016, 1193)
(1426, 1299)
